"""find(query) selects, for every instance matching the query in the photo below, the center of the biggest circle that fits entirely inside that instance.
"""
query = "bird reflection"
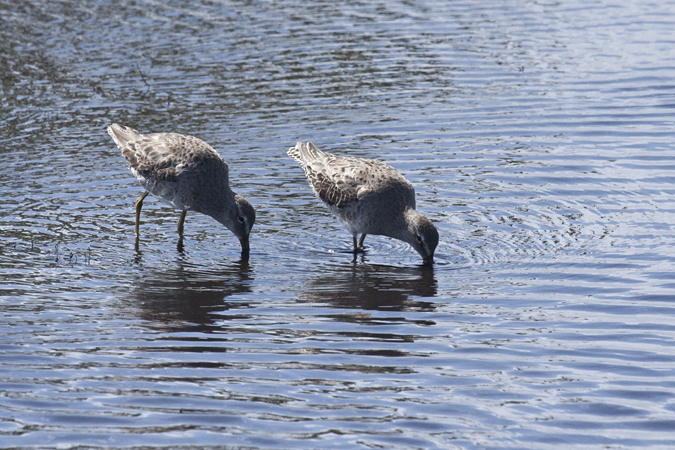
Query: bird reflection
(373, 287)
(186, 296)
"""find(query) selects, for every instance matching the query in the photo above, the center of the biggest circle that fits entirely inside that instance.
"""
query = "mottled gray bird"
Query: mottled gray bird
(368, 197)
(186, 173)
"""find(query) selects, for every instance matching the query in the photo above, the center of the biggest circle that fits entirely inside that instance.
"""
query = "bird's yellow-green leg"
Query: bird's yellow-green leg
(139, 205)
(181, 221)
(358, 246)
(363, 237)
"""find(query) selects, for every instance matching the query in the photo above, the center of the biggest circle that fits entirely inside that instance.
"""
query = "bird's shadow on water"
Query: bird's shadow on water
(372, 287)
(186, 297)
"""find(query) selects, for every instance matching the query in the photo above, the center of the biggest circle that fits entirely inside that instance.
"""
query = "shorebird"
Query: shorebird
(186, 173)
(368, 197)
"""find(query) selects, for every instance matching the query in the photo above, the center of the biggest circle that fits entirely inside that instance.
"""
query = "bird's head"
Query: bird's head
(423, 236)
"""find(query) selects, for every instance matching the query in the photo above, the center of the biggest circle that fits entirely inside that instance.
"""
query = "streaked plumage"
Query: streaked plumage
(186, 173)
(368, 197)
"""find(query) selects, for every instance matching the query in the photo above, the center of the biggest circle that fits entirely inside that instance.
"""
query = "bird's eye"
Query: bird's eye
(419, 238)
(241, 219)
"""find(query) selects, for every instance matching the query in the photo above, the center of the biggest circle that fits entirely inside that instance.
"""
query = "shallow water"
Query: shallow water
(537, 135)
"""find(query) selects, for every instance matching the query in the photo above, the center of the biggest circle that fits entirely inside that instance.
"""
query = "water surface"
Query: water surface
(538, 137)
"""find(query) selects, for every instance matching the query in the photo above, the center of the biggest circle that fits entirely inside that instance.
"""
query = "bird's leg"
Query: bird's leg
(181, 221)
(358, 246)
(363, 237)
(139, 205)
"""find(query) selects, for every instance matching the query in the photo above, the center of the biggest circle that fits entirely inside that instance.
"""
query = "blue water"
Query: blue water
(538, 138)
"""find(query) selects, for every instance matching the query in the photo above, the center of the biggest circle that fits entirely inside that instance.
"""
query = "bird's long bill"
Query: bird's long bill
(428, 261)
(245, 249)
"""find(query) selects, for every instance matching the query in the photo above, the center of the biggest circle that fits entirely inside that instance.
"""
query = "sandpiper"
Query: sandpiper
(186, 173)
(368, 197)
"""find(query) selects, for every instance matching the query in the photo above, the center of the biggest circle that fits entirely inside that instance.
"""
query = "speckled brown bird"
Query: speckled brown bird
(368, 197)
(186, 173)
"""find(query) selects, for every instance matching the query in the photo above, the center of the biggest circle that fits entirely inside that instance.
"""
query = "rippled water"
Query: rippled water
(538, 136)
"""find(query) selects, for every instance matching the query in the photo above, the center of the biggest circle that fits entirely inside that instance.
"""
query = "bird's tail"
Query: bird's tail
(306, 153)
(121, 135)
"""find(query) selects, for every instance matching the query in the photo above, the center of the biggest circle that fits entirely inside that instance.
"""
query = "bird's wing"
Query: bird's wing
(336, 180)
(161, 157)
